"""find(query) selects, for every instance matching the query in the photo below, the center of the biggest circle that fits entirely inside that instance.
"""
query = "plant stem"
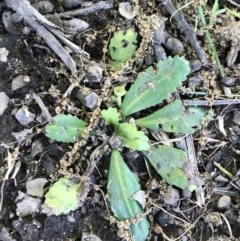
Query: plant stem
(210, 42)
(223, 170)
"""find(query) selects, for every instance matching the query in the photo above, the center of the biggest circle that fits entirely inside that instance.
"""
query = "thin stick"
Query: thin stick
(67, 42)
(84, 11)
(203, 93)
(147, 166)
(189, 228)
(205, 102)
(191, 225)
(43, 108)
(187, 29)
(1, 200)
(233, 3)
(169, 141)
(158, 207)
(44, 28)
(228, 225)
(222, 169)
(182, 7)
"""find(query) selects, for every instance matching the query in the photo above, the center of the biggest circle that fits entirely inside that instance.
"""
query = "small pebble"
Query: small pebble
(236, 130)
(125, 9)
(184, 238)
(220, 178)
(232, 55)
(159, 52)
(195, 65)
(90, 237)
(171, 197)
(94, 74)
(4, 99)
(236, 117)
(44, 7)
(163, 219)
(148, 60)
(186, 193)
(224, 202)
(24, 116)
(233, 139)
(175, 46)
(49, 166)
(71, 3)
(157, 228)
(228, 81)
(91, 100)
(227, 91)
(194, 81)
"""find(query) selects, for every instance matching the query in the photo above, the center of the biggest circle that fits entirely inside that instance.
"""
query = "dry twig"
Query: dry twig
(234, 3)
(186, 28)
(84, 11)
(206, 103)
(45, 28)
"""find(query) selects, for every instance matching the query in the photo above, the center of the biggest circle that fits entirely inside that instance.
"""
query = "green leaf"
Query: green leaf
(233, 12)
(64, 196)
(168, 161)
(122, 184)
(122, 47)
(215, 7)
(172, 111)
(131, 137)
(67, 128)
(151, 88)
(111, 116)
(185, 123)
(119, 91)
(174, 119)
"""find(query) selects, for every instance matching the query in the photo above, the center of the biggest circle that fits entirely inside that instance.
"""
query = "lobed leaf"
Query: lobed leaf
(174, 119)
(67, 128)
(64, 196)
(111, 116)
(122, 47)
(122, 184)
(187, 122)
(168, 161)
(131, 137)
(151, 88)
(164, 115)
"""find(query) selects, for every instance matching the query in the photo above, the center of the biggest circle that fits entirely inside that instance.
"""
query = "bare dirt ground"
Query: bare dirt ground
(31, 70)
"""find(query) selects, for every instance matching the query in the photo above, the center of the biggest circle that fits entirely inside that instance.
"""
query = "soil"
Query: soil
(50, 79)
